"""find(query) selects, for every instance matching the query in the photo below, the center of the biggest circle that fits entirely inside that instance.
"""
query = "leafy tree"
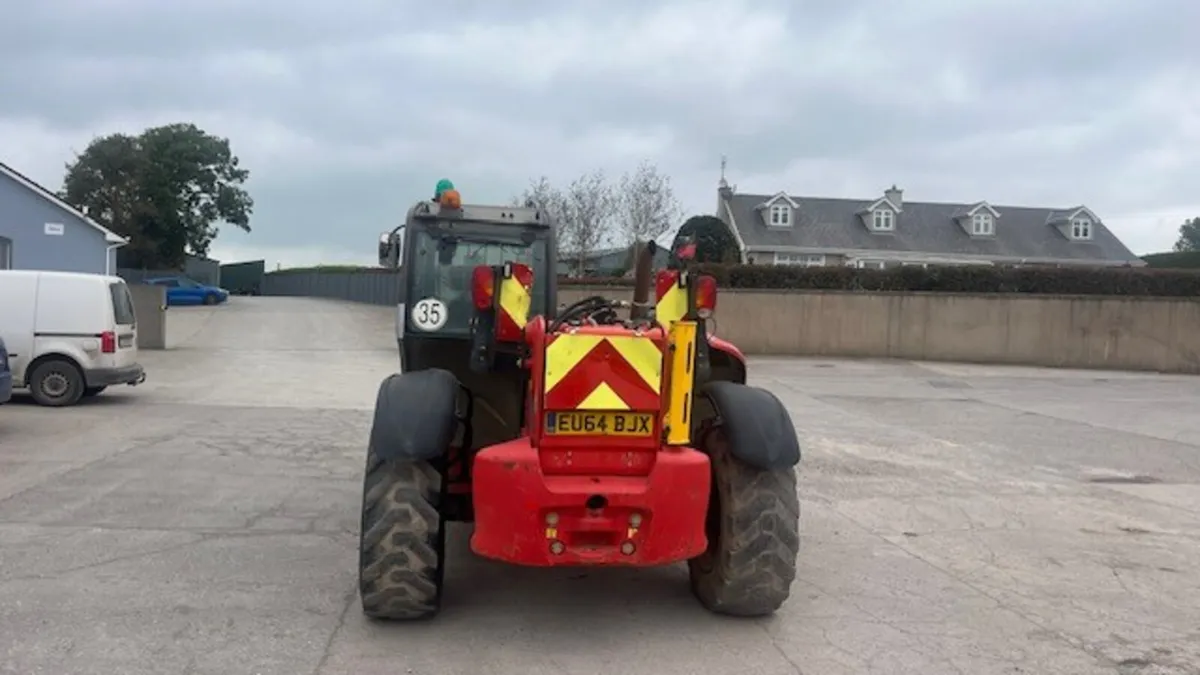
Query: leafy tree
(647, 204)
(714, 242)
(165, 189)
(1189, 236)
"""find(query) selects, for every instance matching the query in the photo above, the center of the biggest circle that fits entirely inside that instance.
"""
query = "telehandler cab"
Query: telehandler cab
(567, 436)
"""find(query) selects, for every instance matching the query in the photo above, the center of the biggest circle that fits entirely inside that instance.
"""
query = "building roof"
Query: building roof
(835, 225)
(23, 180)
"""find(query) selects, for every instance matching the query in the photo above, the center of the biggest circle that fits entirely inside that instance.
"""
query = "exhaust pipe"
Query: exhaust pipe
(643, 268)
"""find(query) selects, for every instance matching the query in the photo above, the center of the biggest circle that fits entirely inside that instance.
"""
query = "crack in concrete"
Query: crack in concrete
(341, 624)
(1070, 640)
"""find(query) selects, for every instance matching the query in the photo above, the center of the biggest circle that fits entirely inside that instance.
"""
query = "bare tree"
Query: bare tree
(590, 205)
(542, 195)
(648, 207)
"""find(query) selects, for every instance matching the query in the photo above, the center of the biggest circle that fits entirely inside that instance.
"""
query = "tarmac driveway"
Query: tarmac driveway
(956, 520)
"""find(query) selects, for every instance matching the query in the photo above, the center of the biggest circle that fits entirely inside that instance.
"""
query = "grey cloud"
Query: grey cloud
(349, 110)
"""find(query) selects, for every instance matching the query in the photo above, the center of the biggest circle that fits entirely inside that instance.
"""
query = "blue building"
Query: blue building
(39, 231)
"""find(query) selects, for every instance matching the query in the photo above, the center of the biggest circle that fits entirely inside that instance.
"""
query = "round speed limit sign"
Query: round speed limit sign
(429, 314)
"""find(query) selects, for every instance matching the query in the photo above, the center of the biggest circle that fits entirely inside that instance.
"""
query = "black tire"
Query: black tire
(210, 299)
(56, 383)
(754, 536)
(402, 540)
(93, 391)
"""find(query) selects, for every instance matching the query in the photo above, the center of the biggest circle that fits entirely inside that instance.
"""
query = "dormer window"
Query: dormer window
(781, 215)
(982, 225)
(1081, 228)
(884, 220)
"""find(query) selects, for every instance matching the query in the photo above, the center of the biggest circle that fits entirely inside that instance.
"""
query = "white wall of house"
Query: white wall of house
(863, 259)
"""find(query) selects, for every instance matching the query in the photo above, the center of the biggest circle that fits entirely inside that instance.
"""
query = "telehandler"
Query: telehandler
(583, 435)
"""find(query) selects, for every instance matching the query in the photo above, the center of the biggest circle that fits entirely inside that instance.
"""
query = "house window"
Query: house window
(799, 259)
(781, 215)
(1081, 228)
(885, 220)
(982, 224)
(6, 254)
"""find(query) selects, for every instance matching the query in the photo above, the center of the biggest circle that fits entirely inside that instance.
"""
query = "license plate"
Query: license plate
(599, 424)
(125, 340)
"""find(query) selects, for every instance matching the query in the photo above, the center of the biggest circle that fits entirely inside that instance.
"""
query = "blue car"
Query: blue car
(5, 374)
(184, 291)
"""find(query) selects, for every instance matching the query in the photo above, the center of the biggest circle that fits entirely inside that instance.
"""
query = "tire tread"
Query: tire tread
(402, 540)
(751, 572)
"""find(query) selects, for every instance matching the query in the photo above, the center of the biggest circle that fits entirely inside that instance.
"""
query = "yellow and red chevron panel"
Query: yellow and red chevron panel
(516, 296)
(599, 371)
(670, 297)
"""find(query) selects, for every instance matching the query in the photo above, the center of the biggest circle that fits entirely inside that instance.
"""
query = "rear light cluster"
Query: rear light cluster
(706, 296)
(483, 287)
(108, 342)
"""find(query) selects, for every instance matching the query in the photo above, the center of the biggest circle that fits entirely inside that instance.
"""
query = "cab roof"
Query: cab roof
(500, 215)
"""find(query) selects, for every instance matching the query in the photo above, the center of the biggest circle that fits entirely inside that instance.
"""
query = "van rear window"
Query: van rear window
(122, 304)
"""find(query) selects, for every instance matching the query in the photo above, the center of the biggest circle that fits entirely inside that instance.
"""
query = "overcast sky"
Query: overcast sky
(347, 111)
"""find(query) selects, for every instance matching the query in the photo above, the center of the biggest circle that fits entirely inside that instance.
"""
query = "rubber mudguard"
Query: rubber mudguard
(414, 415)
(758, 426)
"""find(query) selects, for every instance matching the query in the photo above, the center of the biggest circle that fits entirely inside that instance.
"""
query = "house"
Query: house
(39, 231)
(887, 231)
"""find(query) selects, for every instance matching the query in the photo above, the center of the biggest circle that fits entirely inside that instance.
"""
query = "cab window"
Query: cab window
(441, 278)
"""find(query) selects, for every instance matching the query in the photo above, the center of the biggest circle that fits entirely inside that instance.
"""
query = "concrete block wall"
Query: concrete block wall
(1120, 333)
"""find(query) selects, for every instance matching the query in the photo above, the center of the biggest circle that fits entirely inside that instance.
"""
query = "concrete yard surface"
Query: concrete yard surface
(956, 519)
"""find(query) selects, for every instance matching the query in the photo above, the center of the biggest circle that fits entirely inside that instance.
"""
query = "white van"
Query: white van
(68, 335)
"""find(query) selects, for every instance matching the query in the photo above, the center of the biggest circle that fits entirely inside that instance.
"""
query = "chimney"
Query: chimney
(895, 195)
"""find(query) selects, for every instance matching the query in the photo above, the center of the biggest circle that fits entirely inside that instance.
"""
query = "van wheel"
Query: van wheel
(56, 383)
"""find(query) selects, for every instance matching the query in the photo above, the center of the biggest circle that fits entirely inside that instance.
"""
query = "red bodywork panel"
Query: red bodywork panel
(536, 497)
(514, 499)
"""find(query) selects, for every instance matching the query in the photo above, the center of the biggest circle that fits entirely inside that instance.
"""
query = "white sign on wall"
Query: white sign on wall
(54, 229)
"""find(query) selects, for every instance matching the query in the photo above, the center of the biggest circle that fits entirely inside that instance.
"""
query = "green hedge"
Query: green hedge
(1040, 280)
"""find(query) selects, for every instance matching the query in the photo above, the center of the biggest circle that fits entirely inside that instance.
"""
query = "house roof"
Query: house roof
(23, 180)
(832, 224)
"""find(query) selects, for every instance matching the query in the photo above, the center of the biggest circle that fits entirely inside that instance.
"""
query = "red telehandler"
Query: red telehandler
(600, 433)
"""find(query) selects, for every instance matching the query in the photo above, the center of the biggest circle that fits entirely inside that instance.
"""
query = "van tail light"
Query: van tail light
(483, 287)
(706, 296)
(108, 342)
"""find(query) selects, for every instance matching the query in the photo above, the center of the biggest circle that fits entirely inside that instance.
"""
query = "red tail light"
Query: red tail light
(108, 342)
(706, 296)
(483, 287)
